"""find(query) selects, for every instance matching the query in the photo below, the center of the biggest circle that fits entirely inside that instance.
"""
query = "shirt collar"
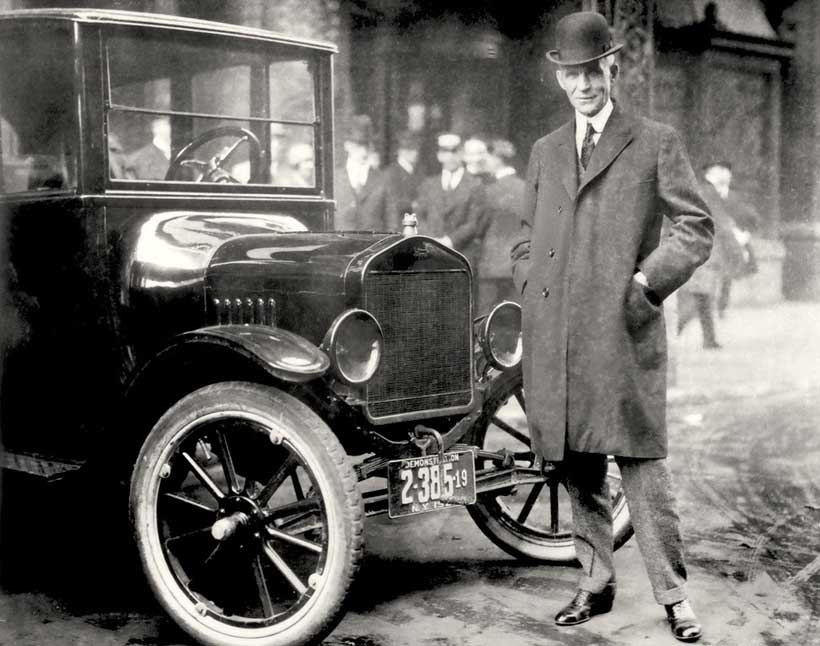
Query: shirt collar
(453, 179)
(598, 121)
(403, 163)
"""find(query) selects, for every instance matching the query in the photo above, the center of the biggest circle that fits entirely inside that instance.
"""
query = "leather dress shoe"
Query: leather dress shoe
(683, 622)
(586, 604)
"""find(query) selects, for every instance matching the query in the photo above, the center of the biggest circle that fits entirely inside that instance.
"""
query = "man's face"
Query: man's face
(589, 86)
(475, 155)
(721, 178)
(450, 160)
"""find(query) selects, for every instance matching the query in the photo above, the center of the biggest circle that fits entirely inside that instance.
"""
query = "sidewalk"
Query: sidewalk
(768, 349)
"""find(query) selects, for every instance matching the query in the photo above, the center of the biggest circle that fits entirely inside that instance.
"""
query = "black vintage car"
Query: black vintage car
(182, 318)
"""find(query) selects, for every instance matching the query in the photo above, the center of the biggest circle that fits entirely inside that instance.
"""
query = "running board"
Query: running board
(38, 466)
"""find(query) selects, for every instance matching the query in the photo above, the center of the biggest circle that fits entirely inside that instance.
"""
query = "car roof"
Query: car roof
(167, 21)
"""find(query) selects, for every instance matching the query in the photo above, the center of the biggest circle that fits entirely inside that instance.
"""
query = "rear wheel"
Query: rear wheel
(529, 521)
(247, 516)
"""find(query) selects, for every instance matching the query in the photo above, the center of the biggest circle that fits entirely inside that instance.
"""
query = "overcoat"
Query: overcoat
(458, 213)
(362, 210)
(594, 340)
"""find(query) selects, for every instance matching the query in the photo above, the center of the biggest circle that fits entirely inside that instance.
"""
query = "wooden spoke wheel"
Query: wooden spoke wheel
(247, 516)
(529, 521)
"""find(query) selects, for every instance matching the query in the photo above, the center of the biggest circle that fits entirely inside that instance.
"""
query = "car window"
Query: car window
(208, 109)
(37, 119)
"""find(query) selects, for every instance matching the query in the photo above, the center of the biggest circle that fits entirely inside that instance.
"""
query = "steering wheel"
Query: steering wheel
(213, 169)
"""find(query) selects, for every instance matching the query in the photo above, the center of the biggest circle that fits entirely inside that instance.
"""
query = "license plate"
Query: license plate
(421, 484)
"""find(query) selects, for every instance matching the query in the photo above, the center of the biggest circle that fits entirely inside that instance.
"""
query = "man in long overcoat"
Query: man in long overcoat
(593, 270)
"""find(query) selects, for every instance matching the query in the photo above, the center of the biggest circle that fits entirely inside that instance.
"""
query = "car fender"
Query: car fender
(281, 353)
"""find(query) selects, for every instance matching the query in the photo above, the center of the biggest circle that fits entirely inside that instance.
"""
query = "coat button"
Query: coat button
(552, 253)
(545, 292)
(560, 209)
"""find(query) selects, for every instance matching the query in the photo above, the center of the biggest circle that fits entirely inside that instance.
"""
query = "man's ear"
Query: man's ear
(614, 70)
(560, 78)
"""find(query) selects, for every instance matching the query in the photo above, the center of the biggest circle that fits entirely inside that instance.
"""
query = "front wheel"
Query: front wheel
(530, 521)
(247, 516)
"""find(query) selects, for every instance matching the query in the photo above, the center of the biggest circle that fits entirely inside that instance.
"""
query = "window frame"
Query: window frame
(322, 117)
(74, 136)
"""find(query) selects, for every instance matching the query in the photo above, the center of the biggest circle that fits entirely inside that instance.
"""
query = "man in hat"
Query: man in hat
(361, 196)
(450, 205)
(503, 206)
(593, 271)
(402, 179)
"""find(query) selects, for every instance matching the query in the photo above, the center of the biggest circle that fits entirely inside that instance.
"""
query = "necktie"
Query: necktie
(587, 146)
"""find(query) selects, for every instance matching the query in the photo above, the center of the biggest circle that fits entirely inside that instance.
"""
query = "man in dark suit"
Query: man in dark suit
(503, 206)
(594, 270)
(402, 179)
(361, 195)
(450, 205)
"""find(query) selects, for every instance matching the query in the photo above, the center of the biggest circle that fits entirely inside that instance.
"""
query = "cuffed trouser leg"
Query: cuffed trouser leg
(592, 517)
(648, 489)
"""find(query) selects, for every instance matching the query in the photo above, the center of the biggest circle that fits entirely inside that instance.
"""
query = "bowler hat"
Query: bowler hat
(361, 130)
(582, 37)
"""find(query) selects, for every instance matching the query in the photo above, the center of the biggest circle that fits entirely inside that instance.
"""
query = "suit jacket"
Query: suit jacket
(402, 188)
(364, 210)
(594, 338)
(503, 206)
(458, 213)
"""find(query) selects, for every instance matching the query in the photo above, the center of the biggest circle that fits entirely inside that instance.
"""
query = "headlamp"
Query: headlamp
(354, 344)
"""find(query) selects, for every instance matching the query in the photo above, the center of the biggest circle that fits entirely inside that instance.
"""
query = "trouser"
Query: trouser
(724, 295)
(648, 491)
(703, 308)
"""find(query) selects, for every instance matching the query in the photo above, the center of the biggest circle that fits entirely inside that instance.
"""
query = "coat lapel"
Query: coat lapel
(616, 136)
(566, 157)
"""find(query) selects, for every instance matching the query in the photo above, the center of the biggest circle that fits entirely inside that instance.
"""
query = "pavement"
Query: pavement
(745, 454)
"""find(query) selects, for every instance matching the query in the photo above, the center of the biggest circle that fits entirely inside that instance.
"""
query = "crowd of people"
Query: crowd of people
(472, 204)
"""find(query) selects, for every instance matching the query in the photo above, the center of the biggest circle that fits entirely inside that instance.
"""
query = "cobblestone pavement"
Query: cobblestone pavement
(746, 453)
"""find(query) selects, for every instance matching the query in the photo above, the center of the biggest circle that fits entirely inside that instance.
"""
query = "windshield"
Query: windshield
(37, 117)
(208, 109)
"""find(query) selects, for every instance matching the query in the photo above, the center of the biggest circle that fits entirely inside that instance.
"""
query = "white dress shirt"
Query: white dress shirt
(357, 173)
(449, 180)
(598, 123)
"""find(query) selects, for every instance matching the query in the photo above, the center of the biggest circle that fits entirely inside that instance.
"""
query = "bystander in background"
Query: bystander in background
(402, 179)
(504, 199)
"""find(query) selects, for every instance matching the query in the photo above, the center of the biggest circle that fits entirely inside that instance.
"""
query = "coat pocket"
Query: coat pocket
(638, 308)
(644, 323)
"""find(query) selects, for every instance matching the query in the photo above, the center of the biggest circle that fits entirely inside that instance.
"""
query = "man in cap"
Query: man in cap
(503, 206)
(594, 271)
(361, 197)
(402, 179)
(450, 205)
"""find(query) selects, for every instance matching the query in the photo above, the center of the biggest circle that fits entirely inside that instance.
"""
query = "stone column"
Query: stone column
(800, 173)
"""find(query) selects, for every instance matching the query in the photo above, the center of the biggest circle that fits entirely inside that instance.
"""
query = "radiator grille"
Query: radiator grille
(426, 320)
